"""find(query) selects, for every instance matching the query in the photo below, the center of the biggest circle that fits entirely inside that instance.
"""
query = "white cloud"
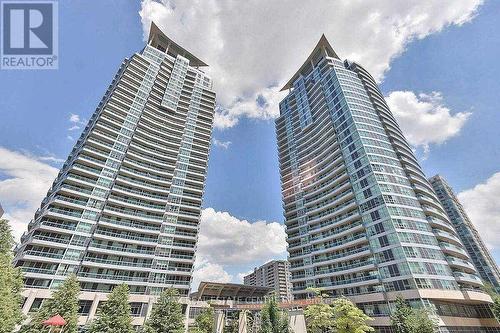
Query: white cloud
(481, 204)
(222, 144)
(51, 158)
(226, 240)
(424, 119)
(76, 123)
(25, 181)
(74, 118)
(70, 138)
(243, 274)
(205, 271)
(254, 46)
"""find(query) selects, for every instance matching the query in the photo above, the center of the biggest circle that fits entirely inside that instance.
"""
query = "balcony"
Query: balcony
(112, 277)
(468, 278)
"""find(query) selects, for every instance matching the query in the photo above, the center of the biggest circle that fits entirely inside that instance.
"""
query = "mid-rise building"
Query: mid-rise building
(125, 207)
(274, 274)
(1, 211)
(478, 252)
(362, 219)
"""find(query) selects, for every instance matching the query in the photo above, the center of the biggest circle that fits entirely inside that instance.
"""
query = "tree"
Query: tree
(406, 319)
(421, 321)
(166, 315)
(348, 318)
(319, 317)
(205, 321)
(273, 320)
(64, 302)
(11, 282)
(495, 308)
(400, 315)
(114, 315)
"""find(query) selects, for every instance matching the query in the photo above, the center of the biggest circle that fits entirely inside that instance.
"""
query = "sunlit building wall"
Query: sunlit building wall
(362, 219)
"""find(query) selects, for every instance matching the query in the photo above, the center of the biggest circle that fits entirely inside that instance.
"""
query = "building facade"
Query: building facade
(362, 219)
(125, 207)
(1, 211)
(478, 252)
(274, 274)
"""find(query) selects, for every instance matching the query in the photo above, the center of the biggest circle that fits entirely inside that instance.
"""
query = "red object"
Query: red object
(57, 320)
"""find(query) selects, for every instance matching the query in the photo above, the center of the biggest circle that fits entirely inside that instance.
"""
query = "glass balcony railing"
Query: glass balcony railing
(51, 239)
(131, 224)
(39, 270)
(66, 226)
(66, 212)
(122, 249)
(339, 255)
(73, 201)
(155, 217)
(118, 262)
(347, 281)
(137, 202)
(76, 189)
(113, 277)
(126, 236)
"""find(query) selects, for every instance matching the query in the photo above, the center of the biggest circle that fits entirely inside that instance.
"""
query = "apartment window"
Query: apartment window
(384, 241)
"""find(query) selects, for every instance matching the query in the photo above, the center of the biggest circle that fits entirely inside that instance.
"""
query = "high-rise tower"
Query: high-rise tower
(478, 252)
(126, 205)
(362, 219)
(274, 274)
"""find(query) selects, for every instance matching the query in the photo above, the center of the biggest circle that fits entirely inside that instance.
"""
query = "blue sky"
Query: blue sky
(455, 57)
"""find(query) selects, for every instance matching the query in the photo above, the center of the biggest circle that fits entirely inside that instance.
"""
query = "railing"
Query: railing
(112, 277)
(126, 236)
(39, 270)
(135, 213)
(145, 194)
(116, 262)
(137, 202)
(52, 239)
(130, 224)
(121, 249)
(43, 254)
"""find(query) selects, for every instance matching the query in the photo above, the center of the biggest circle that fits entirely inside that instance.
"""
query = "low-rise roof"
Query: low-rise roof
(229, 291)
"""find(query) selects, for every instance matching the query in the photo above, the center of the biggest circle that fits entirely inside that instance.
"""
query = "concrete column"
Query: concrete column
(29, 301)
(297, 321)
(93, 308)
(242, 322)
(219, 321)
(151, 301)
(186, 317)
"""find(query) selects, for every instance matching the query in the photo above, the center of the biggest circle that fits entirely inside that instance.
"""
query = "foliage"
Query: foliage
(348, 318)
(166, 316)
(406, 319)
(318, 292)
(64, 302)
(319, 318)
(422, 322)
(205, 321)
(11, 282)
(495, 307)
(273, 320)
(399, 316)
(233, 327)
(114, 315)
